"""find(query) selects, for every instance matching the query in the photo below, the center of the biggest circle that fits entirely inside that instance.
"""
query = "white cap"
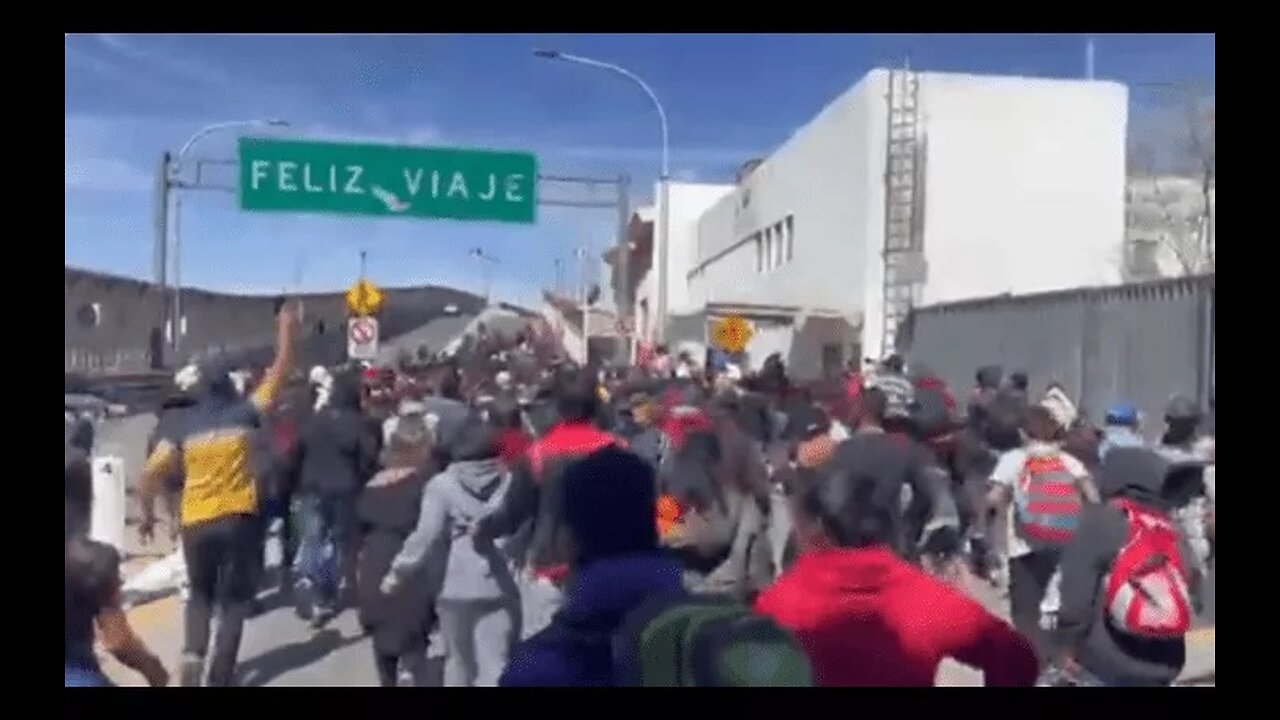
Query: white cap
(187, 377)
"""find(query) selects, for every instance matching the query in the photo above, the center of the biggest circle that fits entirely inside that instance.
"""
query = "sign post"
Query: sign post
(387, 180)
(362, 338)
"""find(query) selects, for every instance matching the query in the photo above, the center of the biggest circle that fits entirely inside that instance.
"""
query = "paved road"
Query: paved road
(280, 650)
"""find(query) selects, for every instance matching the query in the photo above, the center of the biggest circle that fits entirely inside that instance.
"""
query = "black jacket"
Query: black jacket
(338, 448)
(895, 462)
(1136, 474)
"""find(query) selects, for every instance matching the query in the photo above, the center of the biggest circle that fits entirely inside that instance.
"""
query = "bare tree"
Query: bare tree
(1172, 185)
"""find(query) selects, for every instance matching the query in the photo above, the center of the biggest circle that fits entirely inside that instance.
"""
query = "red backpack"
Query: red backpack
(1047, 502)
(1147, 592)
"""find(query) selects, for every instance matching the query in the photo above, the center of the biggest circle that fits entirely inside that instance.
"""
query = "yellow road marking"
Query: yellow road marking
(155, 613)
(1202, 636)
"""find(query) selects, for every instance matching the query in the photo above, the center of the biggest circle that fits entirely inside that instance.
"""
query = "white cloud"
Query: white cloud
(184, 67)
(420, 135)
(90, 164)
(103, 174)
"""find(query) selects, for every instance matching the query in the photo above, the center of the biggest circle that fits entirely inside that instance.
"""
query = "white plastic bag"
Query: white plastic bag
(159, 579)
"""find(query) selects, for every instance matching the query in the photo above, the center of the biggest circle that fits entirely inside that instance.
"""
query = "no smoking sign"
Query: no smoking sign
(362, 338)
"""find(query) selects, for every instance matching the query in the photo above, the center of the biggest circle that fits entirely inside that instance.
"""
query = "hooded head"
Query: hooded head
(1183, 420)
(214, 383)
(989, 377)
(610, 503)
(1147, 476)
(345, 393)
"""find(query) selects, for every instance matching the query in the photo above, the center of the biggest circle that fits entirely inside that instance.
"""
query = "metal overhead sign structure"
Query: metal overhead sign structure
(378, 180)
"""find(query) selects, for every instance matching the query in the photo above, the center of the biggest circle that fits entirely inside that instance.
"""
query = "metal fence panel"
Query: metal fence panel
(1139, 343)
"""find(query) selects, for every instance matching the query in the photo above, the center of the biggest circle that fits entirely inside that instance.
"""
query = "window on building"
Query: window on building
(780, 246)
(769, 261)
(759, 253)
(788, 227)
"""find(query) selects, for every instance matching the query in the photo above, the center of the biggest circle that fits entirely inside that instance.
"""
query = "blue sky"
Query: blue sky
(729, 97)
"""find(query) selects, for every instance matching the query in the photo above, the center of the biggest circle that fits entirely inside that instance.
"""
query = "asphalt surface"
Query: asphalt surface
(278, 649)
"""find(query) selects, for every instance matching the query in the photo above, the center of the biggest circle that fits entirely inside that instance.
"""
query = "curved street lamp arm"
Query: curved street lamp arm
(644, 86)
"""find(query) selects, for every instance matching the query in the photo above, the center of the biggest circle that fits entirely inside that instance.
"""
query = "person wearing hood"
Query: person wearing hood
(219, 505)
(866, 617)
(446, 411)
(478, 604)
(1109, 632)
(616, 566)
(337, 454)
(399, 624)
(1121, 430)
(1182, 441)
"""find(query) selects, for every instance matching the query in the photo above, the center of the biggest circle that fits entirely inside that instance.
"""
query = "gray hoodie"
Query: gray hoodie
(451, 504)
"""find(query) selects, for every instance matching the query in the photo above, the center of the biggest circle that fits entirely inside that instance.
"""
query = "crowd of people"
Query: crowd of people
(668, 523)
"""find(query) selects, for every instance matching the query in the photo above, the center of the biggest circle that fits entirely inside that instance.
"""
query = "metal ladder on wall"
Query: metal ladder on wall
(901, 178)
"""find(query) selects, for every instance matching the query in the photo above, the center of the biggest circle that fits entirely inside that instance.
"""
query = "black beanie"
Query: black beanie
(610, 504)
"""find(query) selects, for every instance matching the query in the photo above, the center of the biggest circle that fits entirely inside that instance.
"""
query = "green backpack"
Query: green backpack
(684, 641)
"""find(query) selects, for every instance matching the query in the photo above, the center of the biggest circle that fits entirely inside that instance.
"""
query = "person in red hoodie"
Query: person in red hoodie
(868, 618)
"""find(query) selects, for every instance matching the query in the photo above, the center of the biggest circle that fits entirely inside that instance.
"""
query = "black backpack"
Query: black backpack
(930, 414)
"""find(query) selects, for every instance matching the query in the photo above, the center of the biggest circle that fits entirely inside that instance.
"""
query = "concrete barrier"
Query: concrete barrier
(110, 503)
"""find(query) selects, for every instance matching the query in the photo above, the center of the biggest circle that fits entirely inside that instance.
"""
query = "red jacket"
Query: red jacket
(869, 619)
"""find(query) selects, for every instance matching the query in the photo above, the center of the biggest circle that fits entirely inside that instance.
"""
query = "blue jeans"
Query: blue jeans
(84, 676)
(329, 543)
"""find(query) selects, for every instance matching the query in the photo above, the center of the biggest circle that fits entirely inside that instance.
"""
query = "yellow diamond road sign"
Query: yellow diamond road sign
(364, 298)
(732, 333)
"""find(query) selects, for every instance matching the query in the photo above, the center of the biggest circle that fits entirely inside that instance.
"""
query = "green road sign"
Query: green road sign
(387, 180)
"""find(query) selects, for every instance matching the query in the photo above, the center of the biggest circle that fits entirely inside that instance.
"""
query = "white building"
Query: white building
(688, 202)
(1001, 185)
(1168, 232)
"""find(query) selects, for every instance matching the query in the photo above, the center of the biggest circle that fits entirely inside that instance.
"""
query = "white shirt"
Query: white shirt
(1006, 473)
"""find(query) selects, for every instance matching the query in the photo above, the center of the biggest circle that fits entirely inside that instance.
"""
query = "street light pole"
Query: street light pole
(663, 178)
(175, 168)
(487, 263)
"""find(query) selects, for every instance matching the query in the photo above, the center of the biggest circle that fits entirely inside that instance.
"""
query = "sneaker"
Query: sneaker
(191, 671)
(304, 599)
(322, 616)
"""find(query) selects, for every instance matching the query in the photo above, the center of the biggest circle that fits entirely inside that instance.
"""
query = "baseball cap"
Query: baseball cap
(1122, 414)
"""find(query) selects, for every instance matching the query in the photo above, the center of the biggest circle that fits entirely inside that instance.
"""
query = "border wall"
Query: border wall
(1140, 343)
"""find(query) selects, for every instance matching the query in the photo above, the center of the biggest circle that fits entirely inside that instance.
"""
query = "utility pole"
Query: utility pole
(623, 296)
(160, 258)
(364, 257)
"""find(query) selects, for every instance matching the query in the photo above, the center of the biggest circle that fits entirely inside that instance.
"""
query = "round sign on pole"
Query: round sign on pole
(362, 338)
